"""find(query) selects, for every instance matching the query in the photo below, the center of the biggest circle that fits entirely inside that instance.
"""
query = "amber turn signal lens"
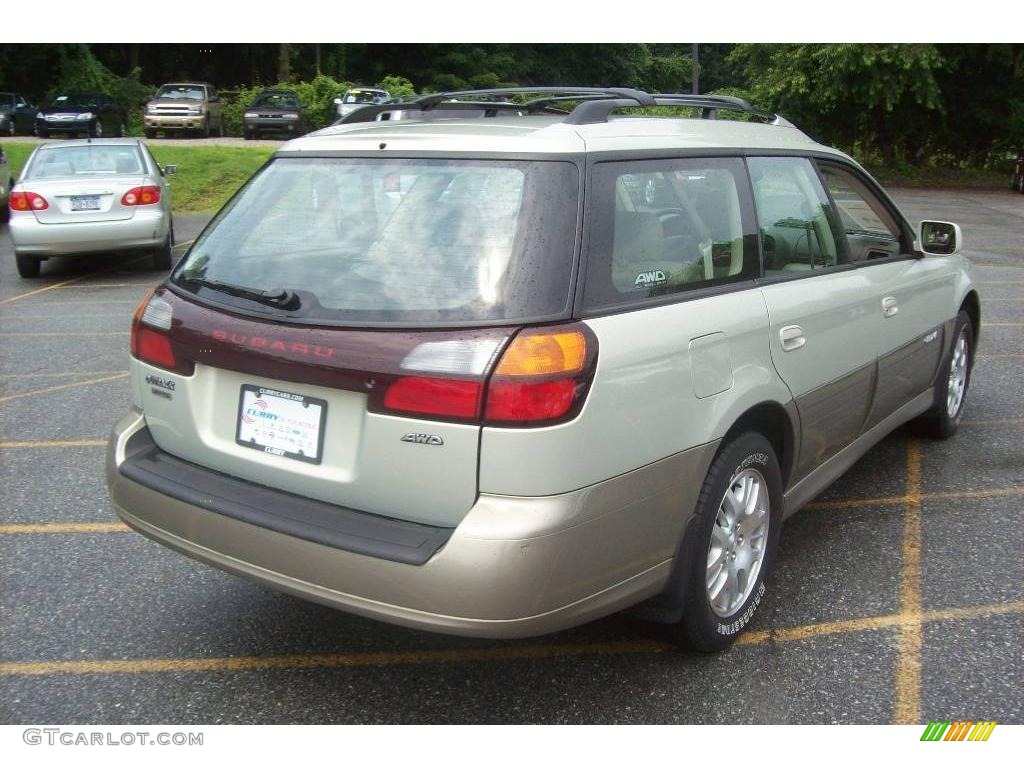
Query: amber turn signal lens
(542, 354)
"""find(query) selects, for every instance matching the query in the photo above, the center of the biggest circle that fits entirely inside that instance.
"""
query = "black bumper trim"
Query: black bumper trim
(316, 521)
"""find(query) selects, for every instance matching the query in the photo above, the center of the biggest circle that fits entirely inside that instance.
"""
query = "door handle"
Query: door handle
(889, 306)
(792, 337)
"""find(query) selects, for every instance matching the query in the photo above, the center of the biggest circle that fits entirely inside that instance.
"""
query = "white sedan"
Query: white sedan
(89, 197)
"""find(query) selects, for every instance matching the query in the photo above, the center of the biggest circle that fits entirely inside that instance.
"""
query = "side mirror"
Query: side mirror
(941, 238)
(169, 170)
(337, 100)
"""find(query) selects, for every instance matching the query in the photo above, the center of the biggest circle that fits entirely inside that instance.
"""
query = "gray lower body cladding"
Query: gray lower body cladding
(514, 566)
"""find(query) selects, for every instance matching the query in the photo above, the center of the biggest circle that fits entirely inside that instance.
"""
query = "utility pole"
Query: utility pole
(696, 68)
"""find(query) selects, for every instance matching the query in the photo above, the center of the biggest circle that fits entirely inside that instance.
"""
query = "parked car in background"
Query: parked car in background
(408, 109)
(88, 197)
(499, 377)
(354, 98)
(16, 114)
(181, 107)
(5, 186)
(94, 114)
(275, 111)
(1017, 179)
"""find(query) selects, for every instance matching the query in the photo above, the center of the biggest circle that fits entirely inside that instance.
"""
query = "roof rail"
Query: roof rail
(595, 104)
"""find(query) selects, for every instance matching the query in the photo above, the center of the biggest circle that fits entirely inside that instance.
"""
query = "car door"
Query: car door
(914, 293)
(822, 311)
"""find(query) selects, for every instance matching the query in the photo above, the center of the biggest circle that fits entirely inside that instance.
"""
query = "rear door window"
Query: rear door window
(663, 227)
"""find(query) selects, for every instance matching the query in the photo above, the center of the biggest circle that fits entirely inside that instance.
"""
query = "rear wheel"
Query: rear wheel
(943, 420)
(27, 266)
(163, 257)
(738, 516)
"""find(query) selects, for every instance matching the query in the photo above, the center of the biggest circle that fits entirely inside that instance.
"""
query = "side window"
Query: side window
(661, 227)
(798, 228)
(871, 231)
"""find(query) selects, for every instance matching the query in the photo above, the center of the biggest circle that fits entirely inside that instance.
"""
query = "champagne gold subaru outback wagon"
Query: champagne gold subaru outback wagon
(501, 376)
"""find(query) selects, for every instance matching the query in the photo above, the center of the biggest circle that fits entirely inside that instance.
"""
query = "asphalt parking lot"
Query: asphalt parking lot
(898, 594)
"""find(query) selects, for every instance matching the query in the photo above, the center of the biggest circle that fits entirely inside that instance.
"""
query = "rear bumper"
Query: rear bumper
(146, 229)
(514, 566)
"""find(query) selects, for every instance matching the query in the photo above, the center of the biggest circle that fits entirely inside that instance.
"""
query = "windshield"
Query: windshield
(75, 99)
(397, 241)
(84, 159)
(282, 100)
(189, 92)
(364, 97)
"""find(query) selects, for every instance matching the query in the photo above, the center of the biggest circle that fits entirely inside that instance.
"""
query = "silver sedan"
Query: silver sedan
(89, 197)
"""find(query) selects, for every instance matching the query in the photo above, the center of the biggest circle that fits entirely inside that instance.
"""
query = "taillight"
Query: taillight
(148, 195)
(150, 342)
(424, 396)
(541, 378)
(27, 201)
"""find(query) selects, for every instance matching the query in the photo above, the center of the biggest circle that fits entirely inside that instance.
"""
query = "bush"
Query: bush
(317, 94)
(79, 70)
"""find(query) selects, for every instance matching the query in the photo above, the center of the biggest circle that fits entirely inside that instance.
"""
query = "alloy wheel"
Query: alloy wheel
(957, 375)
(739, 539)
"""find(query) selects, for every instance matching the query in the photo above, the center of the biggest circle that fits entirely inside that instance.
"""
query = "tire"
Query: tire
(96, 130)
(206, 129)
(951, 385)
(150, 133)
(10, 127)
(27, 266)
(713, 618)
(42, 133)
(163, 258)
(249, 136)
(5, 213)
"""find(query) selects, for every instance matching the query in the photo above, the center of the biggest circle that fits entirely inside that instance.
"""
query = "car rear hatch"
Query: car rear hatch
(333, 331)
(85, 182)
(91, 198)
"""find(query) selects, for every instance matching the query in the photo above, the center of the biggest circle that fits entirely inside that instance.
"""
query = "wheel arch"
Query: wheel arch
(777, 424)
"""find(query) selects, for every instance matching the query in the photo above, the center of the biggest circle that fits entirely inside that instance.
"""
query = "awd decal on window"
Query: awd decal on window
(653, 277)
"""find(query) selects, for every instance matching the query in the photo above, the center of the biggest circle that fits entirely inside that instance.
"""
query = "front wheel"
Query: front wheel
(943, 420)
(163, 257)
(738, 516)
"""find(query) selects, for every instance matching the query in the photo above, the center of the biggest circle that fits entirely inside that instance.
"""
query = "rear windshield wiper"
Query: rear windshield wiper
(275, 297)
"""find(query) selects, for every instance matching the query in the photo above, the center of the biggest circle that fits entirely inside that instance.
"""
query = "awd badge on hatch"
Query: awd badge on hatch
(422, 438)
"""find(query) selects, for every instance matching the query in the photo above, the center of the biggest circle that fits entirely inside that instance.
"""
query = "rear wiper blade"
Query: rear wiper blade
(277, 297)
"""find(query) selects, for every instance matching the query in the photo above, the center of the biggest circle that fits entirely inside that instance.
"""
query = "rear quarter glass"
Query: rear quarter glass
(392, 242)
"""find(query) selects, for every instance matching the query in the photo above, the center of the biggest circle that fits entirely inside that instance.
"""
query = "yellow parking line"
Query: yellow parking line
(59, 387)
(43, 289)
(470, 655)
(65, 333)
(15, 528)
(58, 375)
(907, 697)
(52, 443)
(980, 422)
(182, 245)
(100, 285)
(882, 501)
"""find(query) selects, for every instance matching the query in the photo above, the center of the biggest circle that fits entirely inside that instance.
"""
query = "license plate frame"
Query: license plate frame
(85, 202)
(268, 435)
